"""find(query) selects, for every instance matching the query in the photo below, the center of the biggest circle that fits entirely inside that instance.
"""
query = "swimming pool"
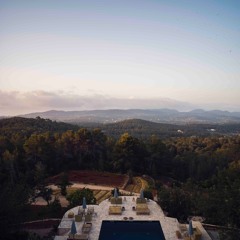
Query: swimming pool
(131, 230)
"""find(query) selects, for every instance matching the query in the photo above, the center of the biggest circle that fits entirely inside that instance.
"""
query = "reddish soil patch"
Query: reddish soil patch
(93, 177)
(41, 224)
(43, 228)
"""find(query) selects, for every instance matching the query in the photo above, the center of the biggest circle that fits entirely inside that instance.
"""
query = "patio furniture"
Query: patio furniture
(82, 236)
(182, 227)
(81, 210)
(178, 234)
(71, 215)
(142, 209)
(117, 200)
(86, 228)
(78, 217)
(196, 234)
(88, 217)
(70, 237)
(141, 200)
(115, 210)
(90, 210)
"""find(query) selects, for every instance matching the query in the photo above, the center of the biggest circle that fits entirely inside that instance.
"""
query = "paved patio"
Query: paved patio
(101, 212)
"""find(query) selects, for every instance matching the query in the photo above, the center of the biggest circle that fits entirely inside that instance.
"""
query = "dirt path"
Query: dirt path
(80, 186)
(40, 201)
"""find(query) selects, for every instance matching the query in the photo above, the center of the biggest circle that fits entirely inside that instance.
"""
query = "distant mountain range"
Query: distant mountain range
(154, 115)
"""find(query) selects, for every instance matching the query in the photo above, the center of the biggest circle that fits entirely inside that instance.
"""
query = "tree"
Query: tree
(14, 200)
(41, 190)
(9, 161)
(175, 201)
(46, 194)
(54, 207)
(148, 194)
(129, 154)
(64, 183)
(157, 162)
(75, 198)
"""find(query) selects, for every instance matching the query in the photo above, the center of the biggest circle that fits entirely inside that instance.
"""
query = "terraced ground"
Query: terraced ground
(137, 184)
(101, 195)
(101, 179)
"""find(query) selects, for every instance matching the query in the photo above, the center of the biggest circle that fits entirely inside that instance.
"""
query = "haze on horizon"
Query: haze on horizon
(78, 55)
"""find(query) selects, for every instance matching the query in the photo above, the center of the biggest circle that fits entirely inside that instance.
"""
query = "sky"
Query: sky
(80, 55)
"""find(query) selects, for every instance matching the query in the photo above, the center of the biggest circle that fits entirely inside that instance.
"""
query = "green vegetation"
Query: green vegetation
(195, 175)
(143, 129)
(64, 183)
(76, 198)
(27, 126)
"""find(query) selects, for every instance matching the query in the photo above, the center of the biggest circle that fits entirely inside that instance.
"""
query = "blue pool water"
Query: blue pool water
(131, 230)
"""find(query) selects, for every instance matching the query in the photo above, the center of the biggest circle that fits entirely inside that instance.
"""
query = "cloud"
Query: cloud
(15, 102)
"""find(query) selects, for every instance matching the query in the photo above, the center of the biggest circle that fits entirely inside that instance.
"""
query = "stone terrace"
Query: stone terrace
(101, 212)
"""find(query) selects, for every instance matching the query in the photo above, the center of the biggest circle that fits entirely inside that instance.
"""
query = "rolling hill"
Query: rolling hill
(153, 115)
(142, 129)
(27, 126)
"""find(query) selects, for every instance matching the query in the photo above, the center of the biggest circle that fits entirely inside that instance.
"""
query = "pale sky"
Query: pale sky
(79, 55)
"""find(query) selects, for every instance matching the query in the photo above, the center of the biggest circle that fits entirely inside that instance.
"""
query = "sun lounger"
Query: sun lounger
(141, 200)
(86, 228)
(82, 236)
(115, 210)
(117, 200)
(182, 227)
(196, 234)
(70, 237)
(142, 209)
(178, 234)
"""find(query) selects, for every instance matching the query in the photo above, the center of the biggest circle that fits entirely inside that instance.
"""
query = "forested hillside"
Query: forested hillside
(204, 171)
(27, 126)
(144, 129)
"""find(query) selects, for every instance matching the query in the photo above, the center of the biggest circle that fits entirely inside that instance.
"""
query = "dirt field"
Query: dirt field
(93, 178)
(100, 182)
